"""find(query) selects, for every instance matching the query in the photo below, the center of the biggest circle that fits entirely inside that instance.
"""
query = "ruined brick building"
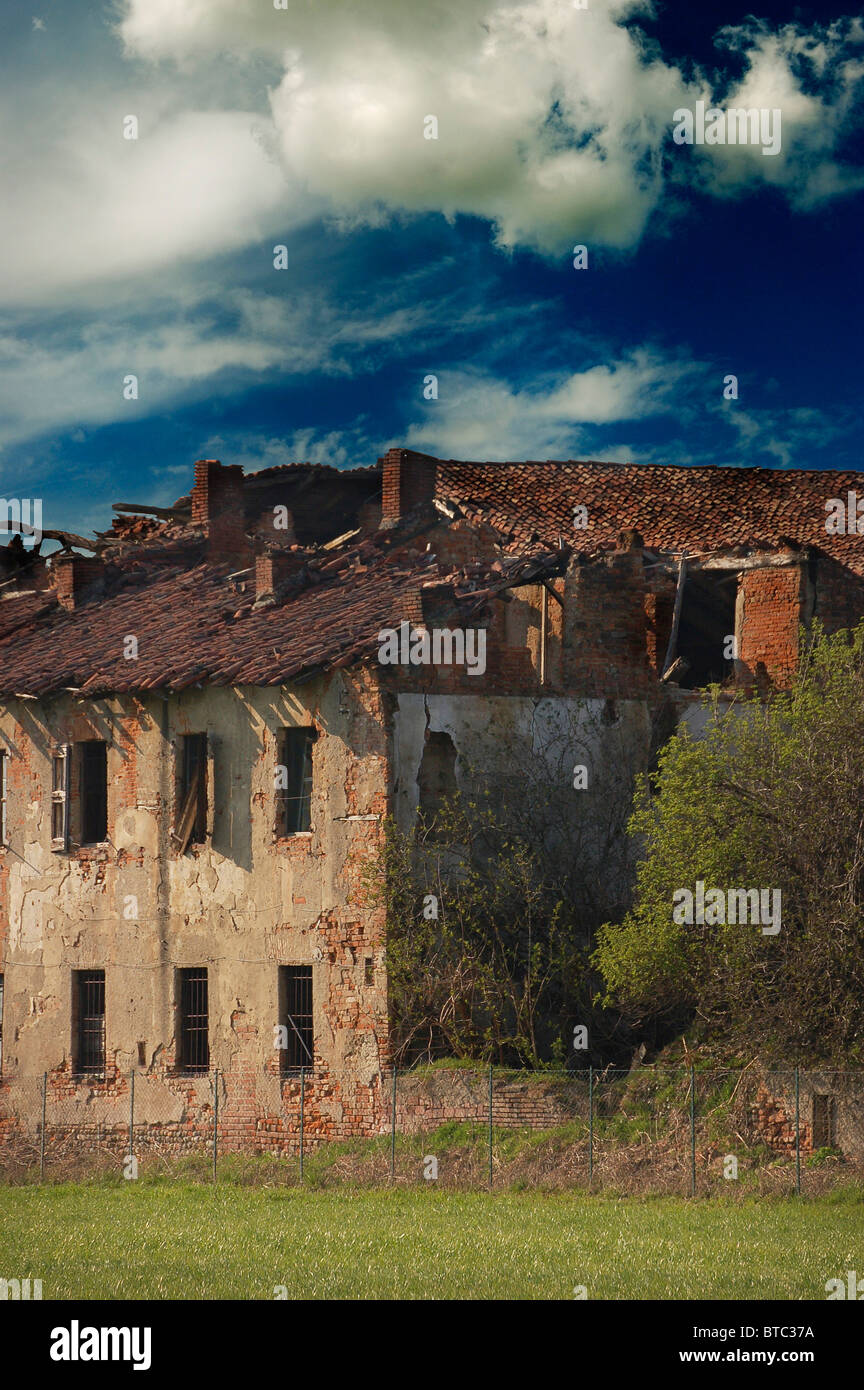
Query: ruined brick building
(198, 741)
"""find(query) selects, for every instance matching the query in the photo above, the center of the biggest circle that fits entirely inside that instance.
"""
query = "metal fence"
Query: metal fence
(686, 1131)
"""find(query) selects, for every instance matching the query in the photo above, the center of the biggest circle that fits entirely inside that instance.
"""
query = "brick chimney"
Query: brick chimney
(218, 508)
(272, 567)
(77, 577)
(408, 483)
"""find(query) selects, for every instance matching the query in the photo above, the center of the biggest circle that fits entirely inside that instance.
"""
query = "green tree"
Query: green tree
(771, 795)
(491, 903)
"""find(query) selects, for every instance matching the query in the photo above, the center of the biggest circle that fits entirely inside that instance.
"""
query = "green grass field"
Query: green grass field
(182, 1240)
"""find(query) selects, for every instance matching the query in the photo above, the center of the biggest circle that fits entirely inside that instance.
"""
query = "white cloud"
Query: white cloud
(352, 448)
(814, 79)
(554, 125)
(89, 205)
(478, 415)
(591, 414)
(553, 120)
(51, 380)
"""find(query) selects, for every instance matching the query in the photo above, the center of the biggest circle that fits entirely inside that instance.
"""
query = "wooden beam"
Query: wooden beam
(676, 617)
(139, 509)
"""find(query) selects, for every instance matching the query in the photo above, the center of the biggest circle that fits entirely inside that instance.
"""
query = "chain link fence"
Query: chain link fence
(681, 1131)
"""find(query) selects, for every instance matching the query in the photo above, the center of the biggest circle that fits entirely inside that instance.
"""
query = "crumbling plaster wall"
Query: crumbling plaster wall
(241, 904)
(503, 741)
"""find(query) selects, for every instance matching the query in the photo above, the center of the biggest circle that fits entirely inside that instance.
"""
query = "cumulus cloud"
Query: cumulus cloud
(592, 414)
(814, 78)
(85, 205)
(553, 121)
(479, 415)
(554, 126)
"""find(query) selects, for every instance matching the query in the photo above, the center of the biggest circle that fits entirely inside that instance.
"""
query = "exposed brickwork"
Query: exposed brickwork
(772, 613)
(218, 507)
(77, 576)
(237, 654)
(424, 1102)
(606, 637)
(775, 1124)
(408, 481)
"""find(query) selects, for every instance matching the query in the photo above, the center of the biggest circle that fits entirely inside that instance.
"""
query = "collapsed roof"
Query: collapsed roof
(214, 593)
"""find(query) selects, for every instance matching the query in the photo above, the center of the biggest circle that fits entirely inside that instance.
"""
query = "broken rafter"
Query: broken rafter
(139, 509)
(676, 617)
(69, 541)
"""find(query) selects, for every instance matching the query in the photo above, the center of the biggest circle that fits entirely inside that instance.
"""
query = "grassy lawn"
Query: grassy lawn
(172, 1240)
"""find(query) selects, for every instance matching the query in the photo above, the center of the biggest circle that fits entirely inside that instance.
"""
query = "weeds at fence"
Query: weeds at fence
(650, 1130)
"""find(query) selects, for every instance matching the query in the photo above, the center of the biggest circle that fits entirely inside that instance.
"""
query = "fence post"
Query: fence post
(798, 1132)
(590, 1125)
(132, 1112)
(42, 1134)
(692, 1131)
(302, 1115)
(393, 1130)
(490, 1124)
(215, 1120)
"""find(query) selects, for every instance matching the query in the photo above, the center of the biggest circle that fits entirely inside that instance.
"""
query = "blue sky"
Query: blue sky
(407, 256)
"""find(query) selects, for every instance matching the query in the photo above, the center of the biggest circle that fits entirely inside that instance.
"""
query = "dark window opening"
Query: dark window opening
(823, 1121)
(89, 1021)
(93, 790)
(193, 1041)
(436, 779)
(369, 973)
(294, 781)
(295, 1010)
(706, 625)
(610, 713)
(192, 791)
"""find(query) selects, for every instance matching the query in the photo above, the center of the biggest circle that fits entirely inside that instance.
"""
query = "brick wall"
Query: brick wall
(408, 481)
(839, 595)
(606, 649)
(426, 1100)
(218, 507)
(76, 576)
(772, 602)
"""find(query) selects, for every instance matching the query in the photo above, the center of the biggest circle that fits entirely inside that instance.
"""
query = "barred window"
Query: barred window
(193, 1042)
(823, 1121)
(295, 1010)
(89, 1021)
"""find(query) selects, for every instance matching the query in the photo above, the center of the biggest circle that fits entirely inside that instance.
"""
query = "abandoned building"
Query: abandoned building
(199, 740)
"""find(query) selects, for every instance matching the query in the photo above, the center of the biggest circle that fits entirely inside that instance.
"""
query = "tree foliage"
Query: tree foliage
(521, 875)
(771, 795)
